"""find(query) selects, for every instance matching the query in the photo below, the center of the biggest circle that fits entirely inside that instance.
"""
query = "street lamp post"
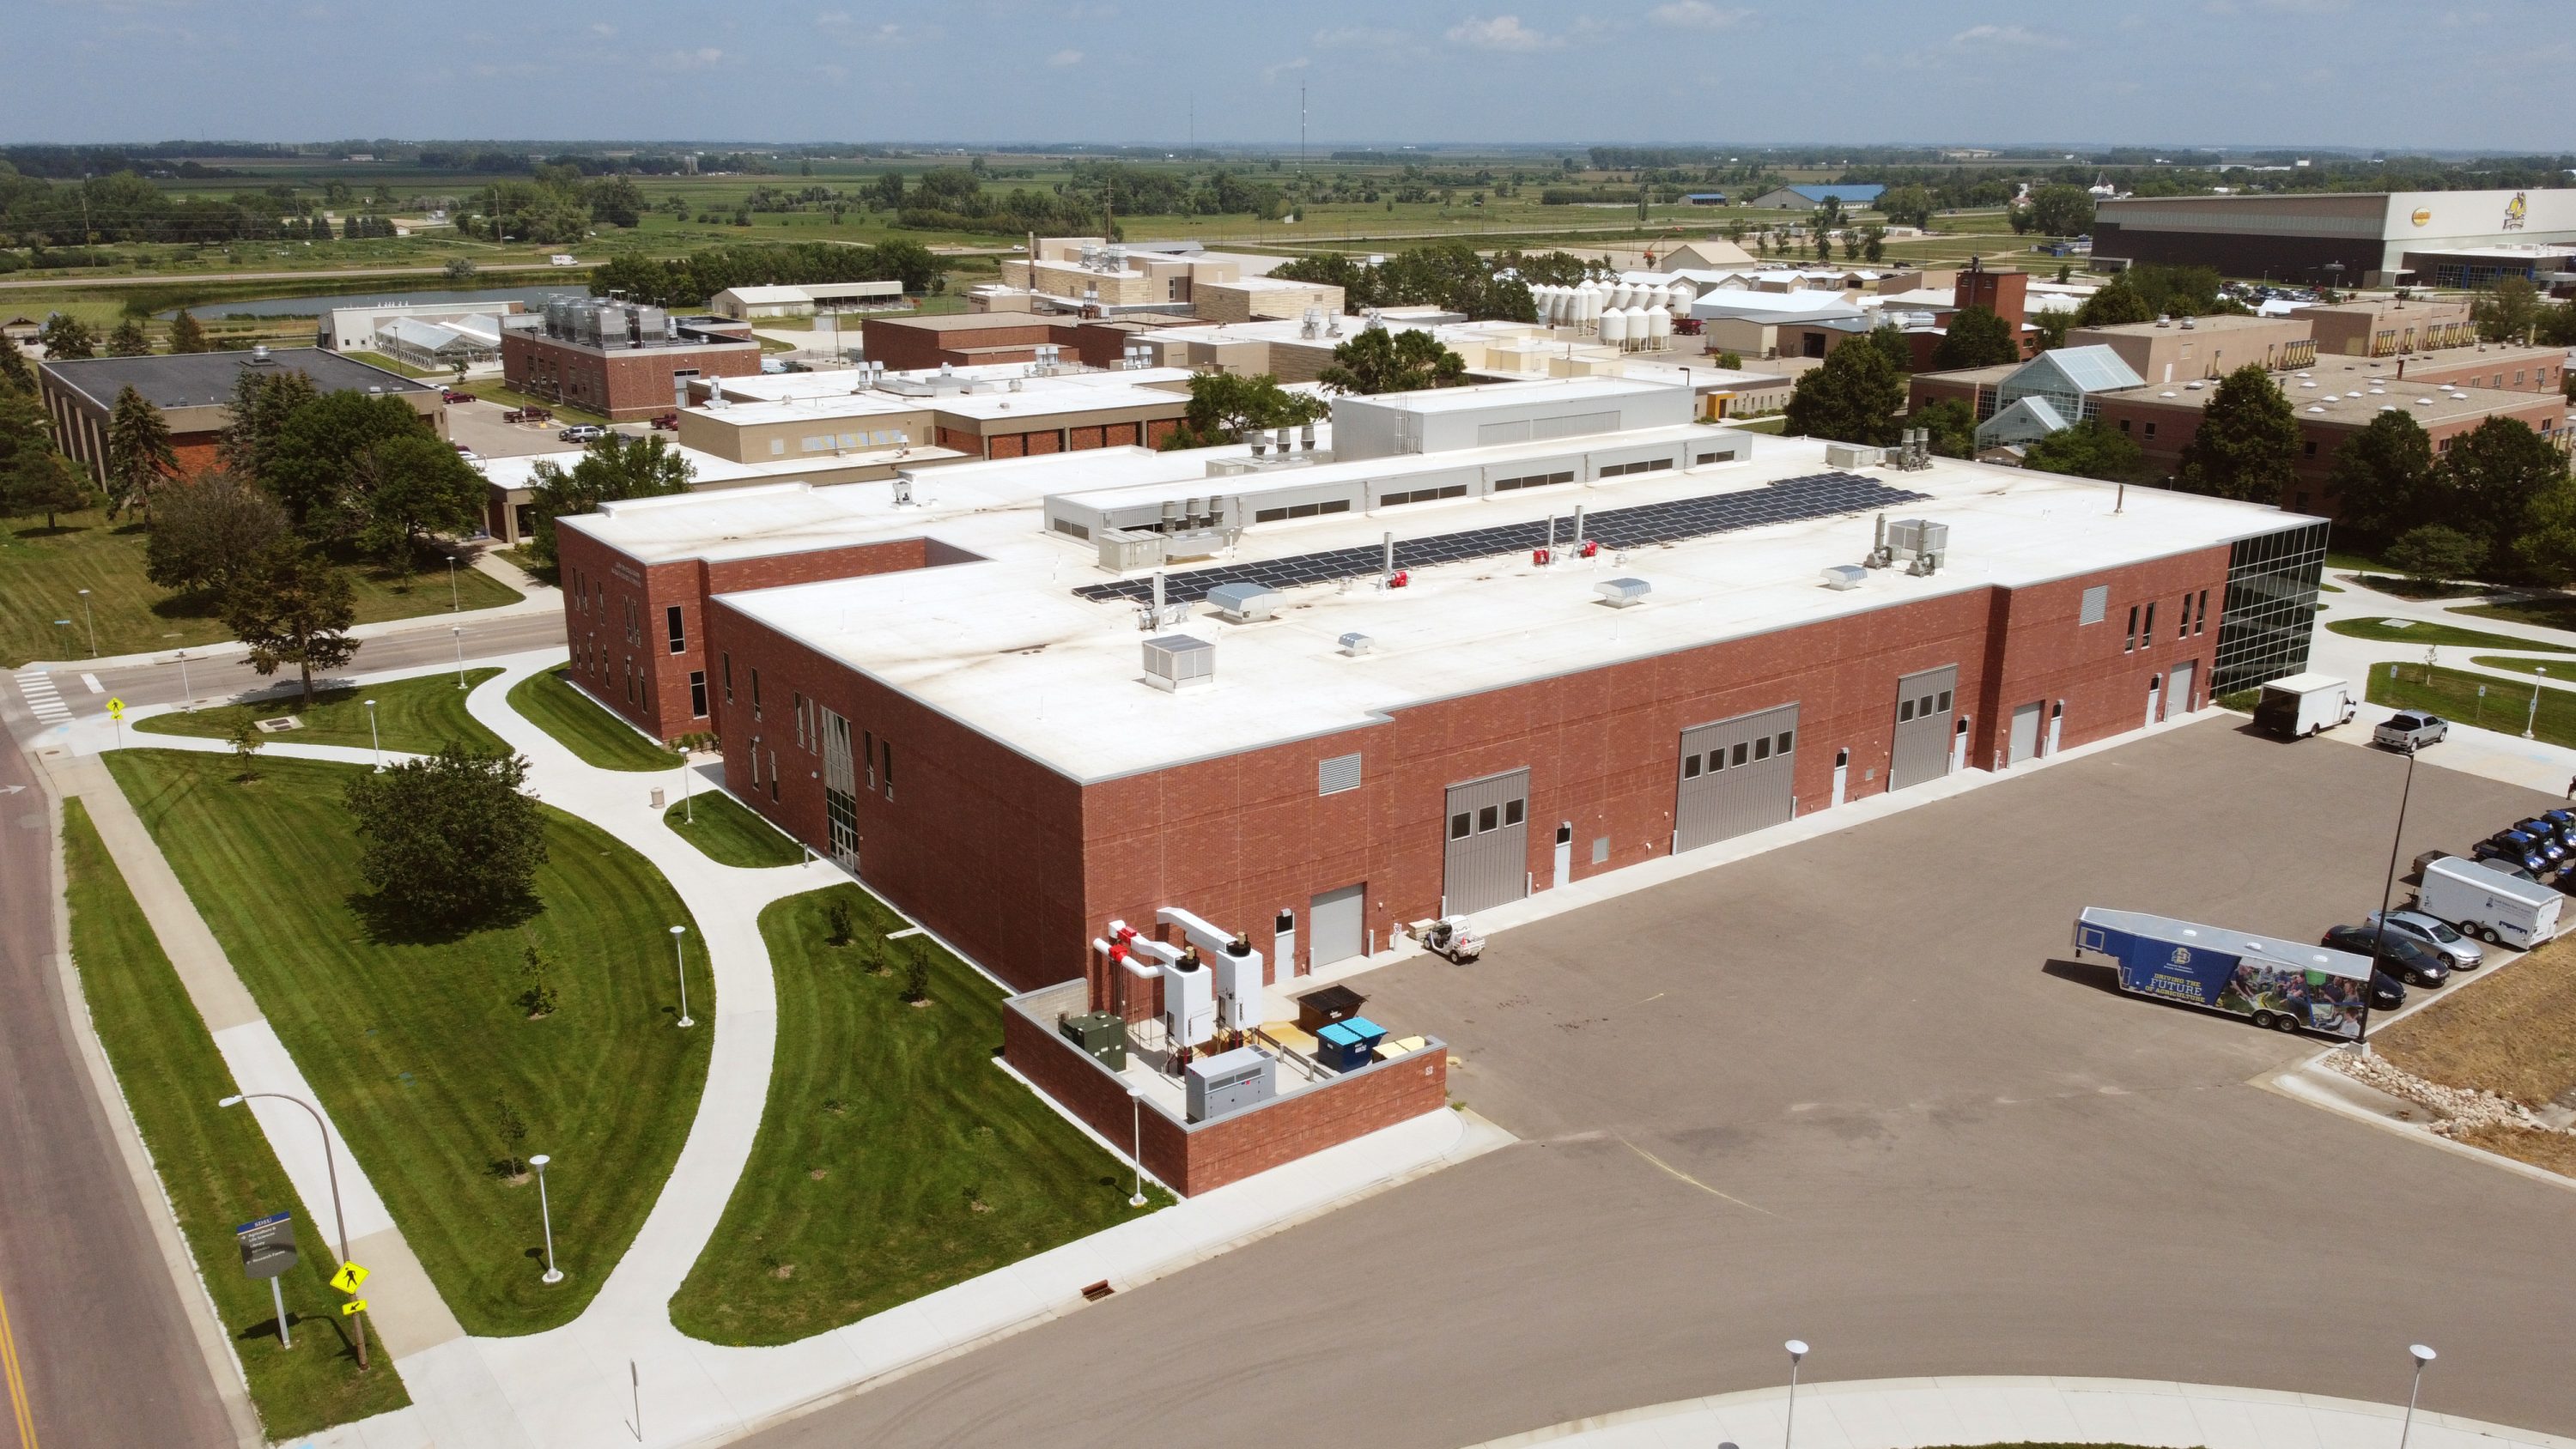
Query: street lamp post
(2533, 717)
(375, 742)
(455, 603)
(190, 695)
(681, 958)
(92, 621)
(331, 1165)
(459, 632)
(546, 1212)
(1136, 1142)
(1797, 1350)
(2387, 893)
(2422, 1356)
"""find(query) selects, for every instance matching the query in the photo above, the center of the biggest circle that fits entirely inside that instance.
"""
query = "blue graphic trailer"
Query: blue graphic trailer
(2283, 985)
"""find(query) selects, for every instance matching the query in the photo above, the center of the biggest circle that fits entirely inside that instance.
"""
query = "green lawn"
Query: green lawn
(2550, 613)
(584, 726)
(1773, 424)
(213, 1161)
(420, 1048)
(525, 562)
(2428, 634)
(2453, 694)
(730, 832)
(894, 1158)
(415, 716)
(42, 572)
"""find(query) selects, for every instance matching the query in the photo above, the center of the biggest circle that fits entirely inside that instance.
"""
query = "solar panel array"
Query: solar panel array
(1790, 500)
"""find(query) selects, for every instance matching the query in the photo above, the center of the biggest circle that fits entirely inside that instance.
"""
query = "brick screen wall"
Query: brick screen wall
(625, 384)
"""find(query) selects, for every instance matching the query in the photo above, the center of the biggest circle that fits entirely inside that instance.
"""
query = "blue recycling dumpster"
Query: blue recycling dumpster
(1350, 1044)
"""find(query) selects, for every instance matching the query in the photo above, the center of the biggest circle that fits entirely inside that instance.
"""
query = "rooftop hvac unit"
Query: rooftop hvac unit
(1239, 1001)
(1176, 662)
(1357, 644)
(1620, 593)
(1845, 576)
(1919, 543)
(1124, 550)
(1853, 455)
(1243, 603)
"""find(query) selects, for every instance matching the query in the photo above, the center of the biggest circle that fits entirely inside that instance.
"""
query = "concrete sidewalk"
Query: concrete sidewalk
(1917, 1413)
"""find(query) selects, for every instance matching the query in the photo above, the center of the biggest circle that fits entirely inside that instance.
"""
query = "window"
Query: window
(1651, 465)
(2200, 617)
(870, 737)
(1459, 825)
(2308, 449)
(799, 704)
(755, 761)
(777, 447)
(1762, 747)
(1924, 709)
(1717, 759)
(773, 777)
(1540, 480)
(2147, 638)
(698, 694)
(1739, 753)
(2124, 425)
(1780, 742)
(1904, 710)
(1690, 767)
(889, 769)
(679, 636)
(2182, 626)
(1944, 701)
(2097, 601)
(1422, 495)
(1513, 811)
(2151, 432)
(728, 678)
(1488, 818)
(2130, 647)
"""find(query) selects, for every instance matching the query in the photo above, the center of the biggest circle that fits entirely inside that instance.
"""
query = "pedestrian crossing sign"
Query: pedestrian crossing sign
(352, 1307)
(116, 708)
(348, 1279)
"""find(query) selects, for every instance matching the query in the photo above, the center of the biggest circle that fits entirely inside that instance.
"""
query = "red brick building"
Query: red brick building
(194, 392)
(619, 359)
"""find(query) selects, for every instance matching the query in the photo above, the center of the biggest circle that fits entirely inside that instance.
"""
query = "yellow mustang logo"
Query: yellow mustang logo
(2517, 211)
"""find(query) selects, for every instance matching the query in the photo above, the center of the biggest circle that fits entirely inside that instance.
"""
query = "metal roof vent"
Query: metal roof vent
(259, 354)
(1620, 593)
(1243, 603)
(1356, 644)
(1845, 576)
(1177, 662)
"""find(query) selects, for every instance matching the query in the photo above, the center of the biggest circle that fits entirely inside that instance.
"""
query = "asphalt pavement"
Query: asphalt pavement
(1851, 1091)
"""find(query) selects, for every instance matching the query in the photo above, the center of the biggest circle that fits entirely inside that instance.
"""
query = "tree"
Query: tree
(35, 478)
(67, 337)
(1852, 397)
(2490, 475)
(612, 468)
(539, 997)
(15, 375)
(326, 454)
(129, 340)
(2049, 329)
(2247, 446)
(2547, 548)
(1873, 242)
(2436, 554)
(836, 917)
(187, 334)
(2116, 304)
(1952, 425)
(247, 742)
(2089, 449)
(2555, 326)
(1907, 206)
(1891, 344)
(412, 485)
(139, 455)
(1379, 360)
(512, 1129)
(459, 269)
(262, 400)
(2383, 480)
(2061, 211)
(293, 607)
(1976, 338)
(209, 533)
(2507, 311)
(448, 840)
(1224, 407)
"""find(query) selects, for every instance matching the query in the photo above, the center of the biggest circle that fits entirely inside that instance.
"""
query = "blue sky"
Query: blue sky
(2367, 73)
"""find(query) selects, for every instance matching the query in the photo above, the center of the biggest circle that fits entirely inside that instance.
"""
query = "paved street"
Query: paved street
(1844, 1091)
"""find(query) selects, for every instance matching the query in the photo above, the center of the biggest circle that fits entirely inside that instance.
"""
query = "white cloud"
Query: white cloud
(1699, 15)
(1503, 32)
(2007, 35)
(1063, 58)
(602, 27)
(1271, 73)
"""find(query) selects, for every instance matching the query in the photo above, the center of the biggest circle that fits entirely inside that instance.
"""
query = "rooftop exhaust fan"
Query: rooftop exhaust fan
(1620, 593)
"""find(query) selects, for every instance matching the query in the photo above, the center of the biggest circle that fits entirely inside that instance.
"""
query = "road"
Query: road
(1844, 1091)
(221, 675)
(327, 274)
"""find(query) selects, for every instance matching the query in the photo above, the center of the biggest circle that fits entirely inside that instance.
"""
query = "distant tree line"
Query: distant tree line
(1449, 275)
(691, 280)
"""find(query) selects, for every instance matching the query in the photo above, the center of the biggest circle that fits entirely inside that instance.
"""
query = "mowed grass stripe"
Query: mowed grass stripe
(582, 725)
(214, 1162)
(415, 1044)
(413, 716)
(729, 832)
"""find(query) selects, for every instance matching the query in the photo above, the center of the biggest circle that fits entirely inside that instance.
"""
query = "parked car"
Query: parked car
(528, 415)
(2553, 843)
(2462, 952)
(2405, 957)
(2407, 732)
(582, 433)
(468, 454)
(667, 422)
(2514, 849)
(2387, 993)
(449, 394)
(2559, 823)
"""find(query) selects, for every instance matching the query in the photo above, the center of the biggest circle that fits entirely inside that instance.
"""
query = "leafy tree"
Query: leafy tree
(1976, 338)
(68, 337)
(1891, 344)
(916, 977)
(139, 455)
(1224, 407)
(2547, 547)
(1873, 242)
(247, 742)
(2491, 474)
(615, 201)
(2116, 304)
(836, 917)
(2061, 210)
(35, 478)
(129, 340)
(539, 997)
(2247, 446)
(512, 1129)
(1952, 425)
(2089, 449)
(412, 485)
(2049, 329)
(2383, 478)
(1381, 360)
(293, 607)
(187, 334)
(327, 454)
(209, 533)
(262, 400)
(15, 374)
(449, 840)
(1450, 275)
(2555, 326)
(1851, 397)
(2507, 311)
(2436, 554)
(614, 467)
(458, 269)
(1907, 206)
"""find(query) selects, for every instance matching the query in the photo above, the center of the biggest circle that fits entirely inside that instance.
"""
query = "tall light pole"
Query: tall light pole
(92, 621)
(681, 957)
(1797, 1350)
(2422, 1356)
(2387, 893)
(2527, 720)
(455, 603)
(330, 1164)
(545, 1210)
(375, 742)
(1136, 1142)
(459, 632)
(188, 694)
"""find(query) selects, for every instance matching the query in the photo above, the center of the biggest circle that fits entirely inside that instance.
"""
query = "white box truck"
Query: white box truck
(2304, 704)
(2489, 904)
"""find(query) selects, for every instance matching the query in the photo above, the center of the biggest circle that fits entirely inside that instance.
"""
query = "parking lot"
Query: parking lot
(478, 425)
(1852, 1091)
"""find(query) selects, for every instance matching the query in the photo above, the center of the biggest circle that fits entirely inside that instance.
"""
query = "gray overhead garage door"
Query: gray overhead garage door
(1333, 925)
(1736, 775)
(1488, 856)
(1922, 727)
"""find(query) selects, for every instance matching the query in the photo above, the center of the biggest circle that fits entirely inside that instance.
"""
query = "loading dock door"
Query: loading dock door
(1334, 923)
(1737, 775)
(2025, 733)
(1487, 862)
(1923, 707)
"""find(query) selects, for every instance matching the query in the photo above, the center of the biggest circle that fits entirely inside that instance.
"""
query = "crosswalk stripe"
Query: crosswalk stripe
(94, 686)
(42, 697)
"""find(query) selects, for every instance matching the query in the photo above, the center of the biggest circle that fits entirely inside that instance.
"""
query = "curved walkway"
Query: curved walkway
(1917, 1413)
(2500, 752)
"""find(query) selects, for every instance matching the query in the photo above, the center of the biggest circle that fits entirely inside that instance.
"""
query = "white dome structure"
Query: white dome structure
(1614, 326)
(1659, 328)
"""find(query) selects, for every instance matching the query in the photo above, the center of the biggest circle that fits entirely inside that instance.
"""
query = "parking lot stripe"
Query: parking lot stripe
(1675, 1172)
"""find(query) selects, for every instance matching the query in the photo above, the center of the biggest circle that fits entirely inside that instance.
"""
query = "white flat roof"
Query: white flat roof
(1551, 389)
(1006, 647)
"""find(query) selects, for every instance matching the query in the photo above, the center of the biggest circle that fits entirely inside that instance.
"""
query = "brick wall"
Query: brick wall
(903, 345)
(625, 384)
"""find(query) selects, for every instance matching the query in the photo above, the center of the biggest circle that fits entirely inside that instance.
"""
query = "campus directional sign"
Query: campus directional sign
(267, 1245)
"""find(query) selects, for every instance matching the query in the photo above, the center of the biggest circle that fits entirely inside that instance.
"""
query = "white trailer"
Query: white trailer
(2304, 704)
(2489, 904)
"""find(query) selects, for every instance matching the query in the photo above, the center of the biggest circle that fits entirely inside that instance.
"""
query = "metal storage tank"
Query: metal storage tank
(1621, 294)
(1679, 296)
(1593, 292)
(1659, 327)
(1636, 327)
(1614, 325)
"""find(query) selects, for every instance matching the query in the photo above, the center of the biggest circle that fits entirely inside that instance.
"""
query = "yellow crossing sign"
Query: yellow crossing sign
(116, 708)
(353, 1306)
(350, 1276)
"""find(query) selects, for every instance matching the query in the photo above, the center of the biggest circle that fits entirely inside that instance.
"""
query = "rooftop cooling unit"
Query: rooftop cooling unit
(1620, 593)
(1845, 576)
(1243, 603)
(1175, 662)
(1920, 544)
(1853, 455)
